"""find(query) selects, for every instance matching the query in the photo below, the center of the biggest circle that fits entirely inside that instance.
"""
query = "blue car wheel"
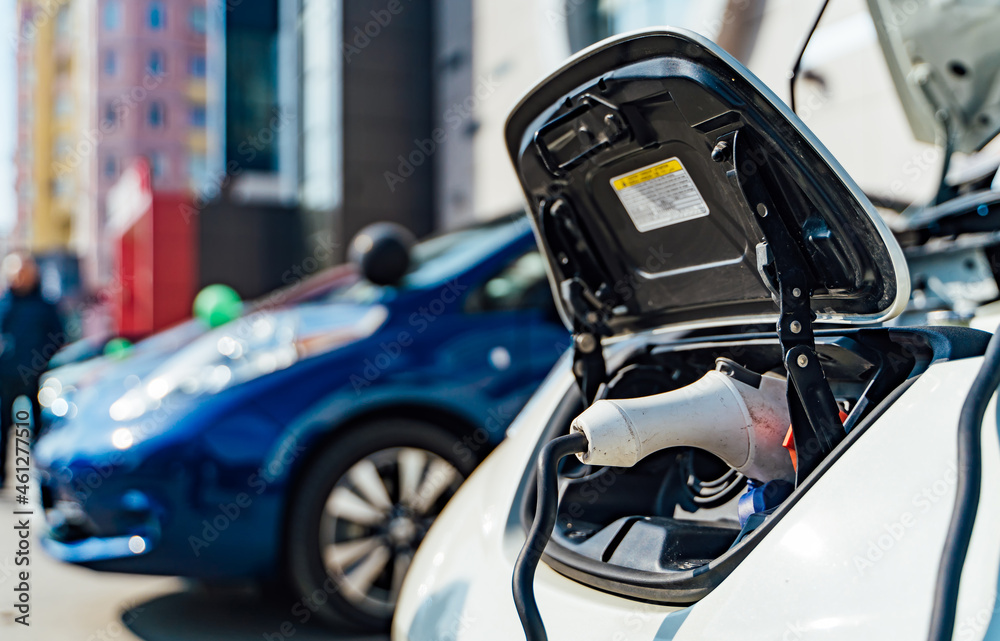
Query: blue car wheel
(360, 512)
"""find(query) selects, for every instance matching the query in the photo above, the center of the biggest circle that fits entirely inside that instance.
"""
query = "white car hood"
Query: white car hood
(855, 558)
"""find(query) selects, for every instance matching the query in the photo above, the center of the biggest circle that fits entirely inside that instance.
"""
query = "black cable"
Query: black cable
(523, 584)
(963, 517)
(802, 50)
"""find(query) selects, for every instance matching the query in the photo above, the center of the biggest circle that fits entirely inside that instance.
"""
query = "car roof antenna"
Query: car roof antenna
(793, 77)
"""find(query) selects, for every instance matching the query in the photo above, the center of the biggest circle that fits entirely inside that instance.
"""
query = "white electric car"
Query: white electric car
(736, 447)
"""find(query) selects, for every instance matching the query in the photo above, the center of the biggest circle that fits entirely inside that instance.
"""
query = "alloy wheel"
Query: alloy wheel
(375, 517)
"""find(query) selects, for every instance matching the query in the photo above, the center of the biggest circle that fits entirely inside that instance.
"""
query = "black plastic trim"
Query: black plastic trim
(681, 588)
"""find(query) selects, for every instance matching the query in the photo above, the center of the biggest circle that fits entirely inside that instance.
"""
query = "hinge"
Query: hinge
(589, 367)
(814, 414)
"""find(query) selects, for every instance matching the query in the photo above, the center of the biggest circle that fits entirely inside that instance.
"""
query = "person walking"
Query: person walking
(31, 331)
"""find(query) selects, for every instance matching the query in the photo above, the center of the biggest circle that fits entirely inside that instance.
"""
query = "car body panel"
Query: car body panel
(810, 577)
(857, 556)
(76, 380)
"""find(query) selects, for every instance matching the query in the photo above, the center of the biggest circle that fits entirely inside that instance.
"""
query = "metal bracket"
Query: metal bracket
(588, 365)
(588, 353)
(812, 408)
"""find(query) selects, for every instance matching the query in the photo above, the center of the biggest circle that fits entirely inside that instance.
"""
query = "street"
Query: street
(76, 604)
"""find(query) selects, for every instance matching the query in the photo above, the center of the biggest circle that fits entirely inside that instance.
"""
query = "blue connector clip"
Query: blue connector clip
(761, 497)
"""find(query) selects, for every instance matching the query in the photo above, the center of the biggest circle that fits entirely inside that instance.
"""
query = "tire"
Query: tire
(361, 509)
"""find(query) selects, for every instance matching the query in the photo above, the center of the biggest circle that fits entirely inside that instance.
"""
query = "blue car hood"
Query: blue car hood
(319, 329)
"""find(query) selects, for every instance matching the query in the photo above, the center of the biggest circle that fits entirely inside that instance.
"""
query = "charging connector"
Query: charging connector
(737, 415)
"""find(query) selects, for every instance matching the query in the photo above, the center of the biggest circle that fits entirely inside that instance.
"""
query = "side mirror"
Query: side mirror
(382, 252)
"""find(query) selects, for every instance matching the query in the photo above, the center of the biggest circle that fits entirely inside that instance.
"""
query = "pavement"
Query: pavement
(70, 603)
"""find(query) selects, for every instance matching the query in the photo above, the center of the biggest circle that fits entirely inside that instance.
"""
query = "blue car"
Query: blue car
(310, 446)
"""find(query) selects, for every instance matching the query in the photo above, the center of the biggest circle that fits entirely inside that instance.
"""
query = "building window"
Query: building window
(61, 187)
(157, 115)
(112, 15)
(110, 117)
(110, 167)
(198, 116)
(158, 164)
(64, 104)
(197, 19)
(62, 22)
(110, 63)
(157, 15)
(197, 171)
(63, 146)
(156, 64)
(197, 66)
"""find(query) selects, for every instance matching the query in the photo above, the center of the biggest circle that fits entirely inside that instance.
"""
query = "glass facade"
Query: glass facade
(252, 85)
(322, 62)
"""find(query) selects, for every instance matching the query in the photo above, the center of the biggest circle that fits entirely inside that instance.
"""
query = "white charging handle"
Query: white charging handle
(742, 424)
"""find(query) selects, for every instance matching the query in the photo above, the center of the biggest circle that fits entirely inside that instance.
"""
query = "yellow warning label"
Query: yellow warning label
(659, 195)
(649, 173)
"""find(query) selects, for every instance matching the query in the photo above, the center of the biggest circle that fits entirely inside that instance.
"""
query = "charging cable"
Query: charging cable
(970, 474)
(541, 530)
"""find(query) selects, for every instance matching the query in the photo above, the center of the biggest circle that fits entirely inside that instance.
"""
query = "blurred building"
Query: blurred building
(149, 70)
(368, 77)
(291, 124)
(48, 73)
(403, 103)
(99, 85)
(46, 119)
(252, 232)
(512, 46)
(845, 94)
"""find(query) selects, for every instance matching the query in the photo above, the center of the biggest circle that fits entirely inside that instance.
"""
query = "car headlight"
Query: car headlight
(56, 397)
(241, 351)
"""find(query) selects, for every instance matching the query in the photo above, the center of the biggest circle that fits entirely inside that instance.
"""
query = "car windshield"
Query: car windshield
(440, 258)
